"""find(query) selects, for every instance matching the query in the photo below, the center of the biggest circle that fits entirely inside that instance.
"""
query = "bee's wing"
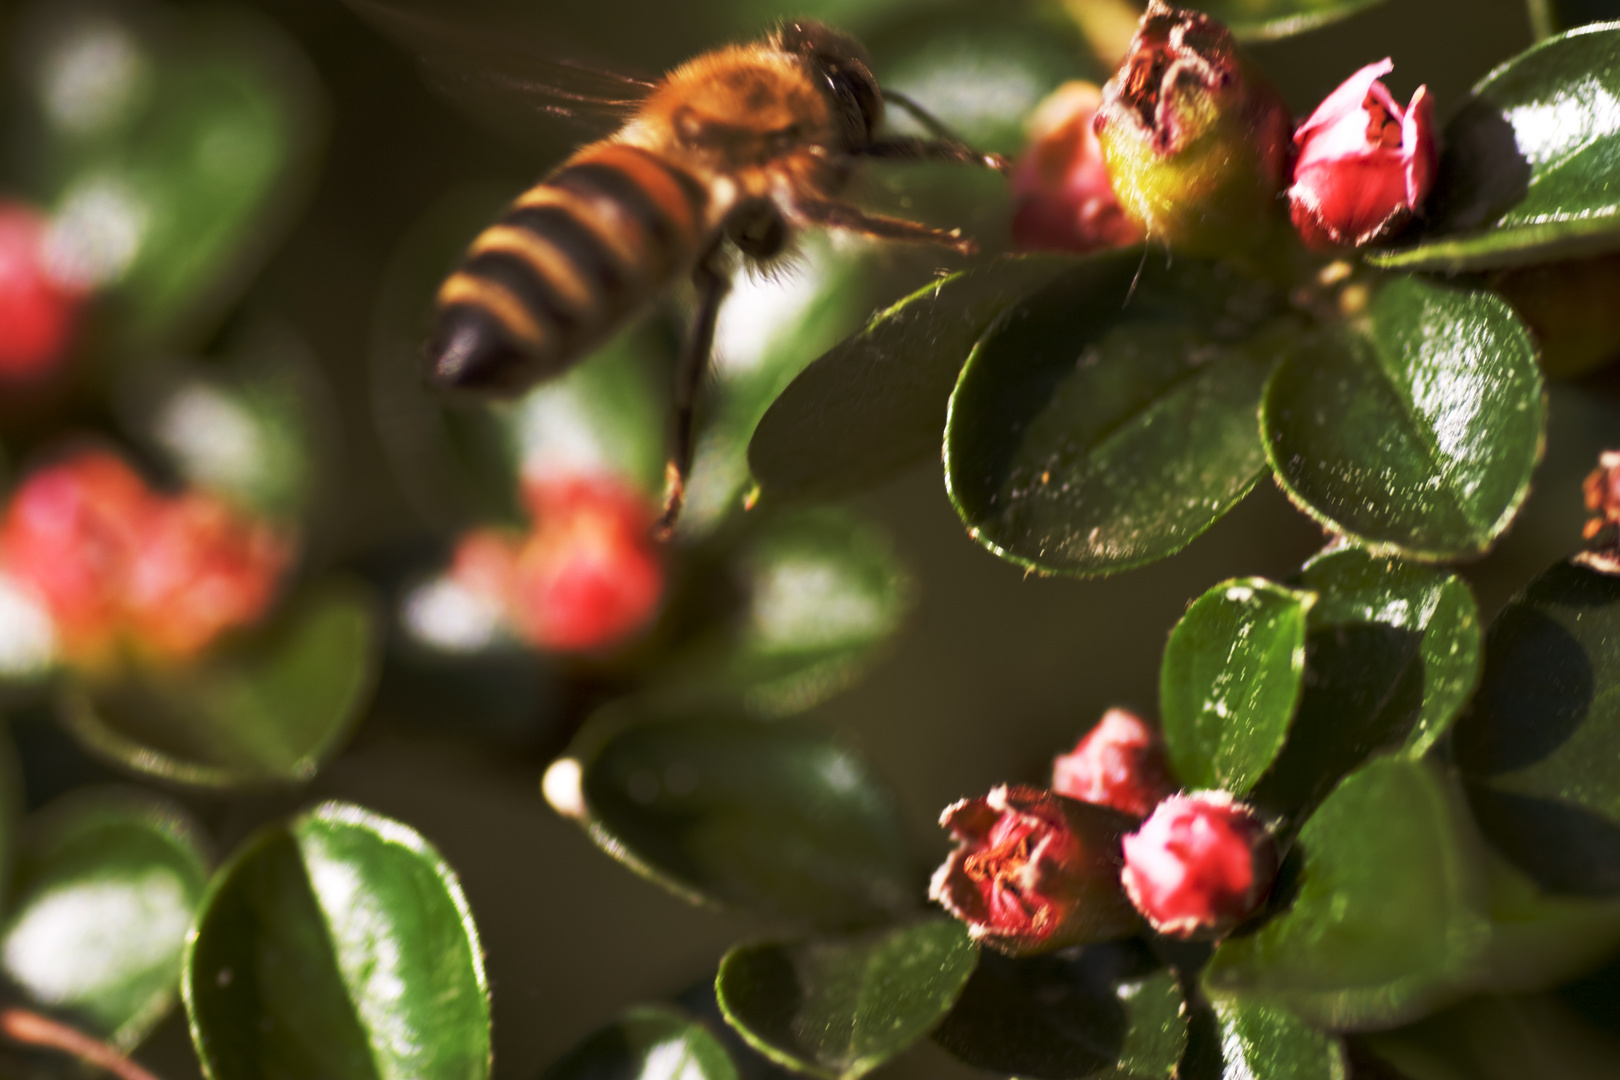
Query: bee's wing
(477, 68)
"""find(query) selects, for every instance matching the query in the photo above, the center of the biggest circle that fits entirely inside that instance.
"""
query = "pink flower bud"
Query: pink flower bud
(1119, 763)
(1033, 871)
(1602, 490)
(37, 313)
(1364, 166)
(1200, 865)
(1063, 199)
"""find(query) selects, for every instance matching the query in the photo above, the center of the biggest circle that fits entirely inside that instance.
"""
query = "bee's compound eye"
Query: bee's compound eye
(470, 350)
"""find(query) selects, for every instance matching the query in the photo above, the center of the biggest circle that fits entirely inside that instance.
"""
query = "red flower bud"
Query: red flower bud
(1200, 865)
(1119, 763)
(588, 576)
(1063, 199)
(1195, 139)
(37, 313)
(1602, 490)
(1364, 165)
(1033, 871)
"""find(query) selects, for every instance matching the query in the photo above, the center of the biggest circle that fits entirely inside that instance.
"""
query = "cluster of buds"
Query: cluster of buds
(587, 575)
(119, 567)
(38, 310)
(1038, 870)
(1189, 145)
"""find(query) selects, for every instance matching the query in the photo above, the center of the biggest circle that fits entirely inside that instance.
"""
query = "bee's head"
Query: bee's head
(845, 74)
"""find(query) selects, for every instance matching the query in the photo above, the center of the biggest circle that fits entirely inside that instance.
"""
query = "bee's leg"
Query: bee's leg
(836, 215)
(712, 285)
(913, 149)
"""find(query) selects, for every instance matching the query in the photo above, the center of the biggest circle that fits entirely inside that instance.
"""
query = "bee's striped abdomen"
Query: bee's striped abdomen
(566, 262)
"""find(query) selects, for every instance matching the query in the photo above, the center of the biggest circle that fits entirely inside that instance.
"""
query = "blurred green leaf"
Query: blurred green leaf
(1267, 20)
(1105, 1011)
(1382, 907)
(822, 593)
(1392, 656)
(1540, 938)
(1231, 680)
(1107, 420)
(1412, 428)
(875, 404)
(105, 887)
(648, 1042)
(1527, 163)
(1264, 1042)
(1537, 751)
(337, 945)
(720, 808)
(270, 710)
(840, 1007)
(1496, 1037)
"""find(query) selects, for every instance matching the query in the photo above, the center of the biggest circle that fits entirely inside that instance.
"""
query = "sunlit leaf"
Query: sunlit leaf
(1265, 1042)
(337, 945)
(104, 892)
(840, 1007)
(271, 710)
(648, 1042)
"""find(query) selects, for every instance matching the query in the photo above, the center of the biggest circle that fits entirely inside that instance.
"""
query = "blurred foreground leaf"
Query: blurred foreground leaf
(1498, 1037)
(840, 1007)
(1107, 420)
(1267, 20)
(648, 1042)
(337, 946)
(1413, 427)
(106, 885)
(715, 807)
(269, 710)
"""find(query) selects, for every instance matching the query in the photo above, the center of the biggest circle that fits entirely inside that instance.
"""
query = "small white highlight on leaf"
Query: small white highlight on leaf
(96, 233)
(670, 1061)
(27, 634)
(443, 615)
(561, 787)
(89, 79)
(217, 441)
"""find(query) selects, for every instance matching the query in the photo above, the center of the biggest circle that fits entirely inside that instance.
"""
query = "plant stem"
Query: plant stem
(32, 1029)
(1543, 22)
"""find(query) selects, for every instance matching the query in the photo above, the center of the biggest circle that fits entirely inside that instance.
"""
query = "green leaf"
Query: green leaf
(270, 710)
(1527, 163)
(720, 808)
(337, 945)
(875, 404)
(1495, 1037)
(1382, 906)
(1267, 20)
(106, 884)
(1392, 656)
(1412, 428)
(1105, 1011)
(822, 593)
(1097, 428)
(1264, 1042)
(1231, 680)
(840, 1007)
(1540, 938)
(648, 1042)
(1537, 751)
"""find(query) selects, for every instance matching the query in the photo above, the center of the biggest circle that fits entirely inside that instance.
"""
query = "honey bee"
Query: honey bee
(738, 149)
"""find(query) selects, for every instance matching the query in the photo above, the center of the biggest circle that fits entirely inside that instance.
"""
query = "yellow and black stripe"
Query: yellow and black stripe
(565, 264)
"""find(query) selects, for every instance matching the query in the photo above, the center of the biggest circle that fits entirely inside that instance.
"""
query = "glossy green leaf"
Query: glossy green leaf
(1267, 20)
(1264, 1042)
(1107, 420)
(337, 945)
(875, 404)
(1105, 1011)
(271, 709)
(1392, 655)
(1538, 749)
(840, 1007)
(104, 892)
(720, 808)
(1382, 906)
(1231, 680)
(1527, 163)
(649, 1042)
(1412, 428)
(822, 593)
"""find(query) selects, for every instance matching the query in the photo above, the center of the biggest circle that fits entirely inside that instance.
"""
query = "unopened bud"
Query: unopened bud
(38, 314)
(1033, 871)
(1119, 763)
(1195, 139)
(1602, 491)
(1062, 197)
(1365, 164)
(1200, 865)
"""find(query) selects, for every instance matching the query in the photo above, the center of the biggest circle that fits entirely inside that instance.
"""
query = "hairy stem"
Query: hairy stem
(32, 1029)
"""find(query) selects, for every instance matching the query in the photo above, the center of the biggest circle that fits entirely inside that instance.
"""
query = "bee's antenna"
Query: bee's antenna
(928, 120)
